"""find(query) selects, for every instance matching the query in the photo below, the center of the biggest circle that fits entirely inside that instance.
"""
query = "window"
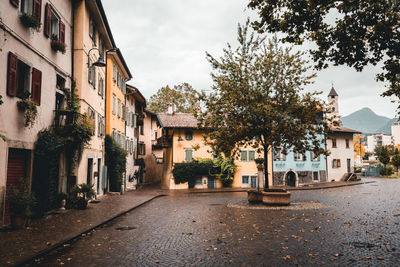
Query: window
(29, 7)
(123, 112)
(336, 163)
(54, 28)
(347, 143)
(119, 109)
(188, 135)
(92, 74)
(315, 176)
(101, 86)
(333, 143)
(92, 117)
(115, 73)
(142, 149)
(92, 31)
(188, 155)
(19, 80)
(141, 129)
(155, 135)
(299, 156)
(245, 179)
(279, 155)
(314, 157)
(26, 7)
(247, 155)
(101, 48)
(113, 105)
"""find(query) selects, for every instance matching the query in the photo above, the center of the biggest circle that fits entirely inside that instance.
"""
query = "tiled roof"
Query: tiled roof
(342, 130)
(177, 120)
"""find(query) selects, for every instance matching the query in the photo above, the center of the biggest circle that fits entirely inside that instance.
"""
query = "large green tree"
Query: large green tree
(258, 100)
(184, 96)
(354, 33)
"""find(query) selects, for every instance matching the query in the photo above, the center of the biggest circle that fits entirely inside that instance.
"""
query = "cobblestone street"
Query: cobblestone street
(350, 226)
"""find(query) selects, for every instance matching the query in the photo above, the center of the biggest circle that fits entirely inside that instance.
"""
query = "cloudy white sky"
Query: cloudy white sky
(164, 43)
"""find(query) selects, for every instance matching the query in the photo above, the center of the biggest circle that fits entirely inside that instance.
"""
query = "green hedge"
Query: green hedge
(116, 164)
(222, 168)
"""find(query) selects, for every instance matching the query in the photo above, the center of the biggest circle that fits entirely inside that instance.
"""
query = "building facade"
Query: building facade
(378, 140)
(92, 38)
(36, 47)
(182, 141)
(296, 169)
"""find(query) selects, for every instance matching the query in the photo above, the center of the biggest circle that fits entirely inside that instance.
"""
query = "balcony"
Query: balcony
(64, 117)
(162, 142)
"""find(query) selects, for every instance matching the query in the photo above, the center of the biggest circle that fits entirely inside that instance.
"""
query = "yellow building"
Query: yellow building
(183, 141)
(92, 37)
(117, 75)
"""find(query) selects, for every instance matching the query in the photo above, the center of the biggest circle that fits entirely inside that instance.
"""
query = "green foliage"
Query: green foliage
(80, 195)
(383, 155)
(396, 159)
(183, 96)
(116, 162)
(30, 111)
(21, 200)
(362, 32)
(258, 99)
(222, 168)
(259, 161)
(386, 170)
(72, 99)
(29, 21)
(57, 45)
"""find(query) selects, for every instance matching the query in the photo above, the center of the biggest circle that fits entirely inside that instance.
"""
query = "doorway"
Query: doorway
(253, 181)
(290, 179)
(98, 175)
(211, 183)
(89, 171)
(349, 165)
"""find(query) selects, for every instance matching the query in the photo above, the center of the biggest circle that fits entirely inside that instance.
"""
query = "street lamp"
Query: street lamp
(100, 61)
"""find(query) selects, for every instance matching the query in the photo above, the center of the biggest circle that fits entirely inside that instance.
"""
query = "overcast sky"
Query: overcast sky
(164, 43)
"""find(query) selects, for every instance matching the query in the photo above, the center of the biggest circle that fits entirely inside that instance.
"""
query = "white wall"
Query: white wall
(342, 153)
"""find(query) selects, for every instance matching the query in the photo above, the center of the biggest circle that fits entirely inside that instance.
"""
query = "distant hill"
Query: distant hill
(367, 122)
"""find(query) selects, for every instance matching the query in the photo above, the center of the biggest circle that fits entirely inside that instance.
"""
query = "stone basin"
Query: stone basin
(272, 197)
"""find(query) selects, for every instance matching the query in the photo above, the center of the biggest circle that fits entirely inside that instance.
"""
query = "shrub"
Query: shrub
(116, 163)
(29, 21)
(386, 170)
(30, 111)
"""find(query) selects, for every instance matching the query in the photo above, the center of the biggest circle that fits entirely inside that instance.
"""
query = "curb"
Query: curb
(76, 236)
(291, 189)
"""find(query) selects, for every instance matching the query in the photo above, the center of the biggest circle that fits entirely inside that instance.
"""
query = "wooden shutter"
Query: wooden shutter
(37, 9)
(14, 3)
(36, 85)
(62, 32)
(47, 20)
(12, 70)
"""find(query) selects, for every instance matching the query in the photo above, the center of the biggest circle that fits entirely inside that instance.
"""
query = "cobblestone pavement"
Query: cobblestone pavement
(18, 245)
(356, 226)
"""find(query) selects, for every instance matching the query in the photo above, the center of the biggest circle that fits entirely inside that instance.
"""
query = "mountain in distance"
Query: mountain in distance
(368, 122)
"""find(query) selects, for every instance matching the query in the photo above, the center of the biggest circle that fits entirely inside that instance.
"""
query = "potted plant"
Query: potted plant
(21, 201)
(56, 44)
(259, 162)
(81, 194)
(30, 111)
(29, 21)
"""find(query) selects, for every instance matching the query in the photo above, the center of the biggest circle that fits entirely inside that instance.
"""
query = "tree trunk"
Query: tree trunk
(266, 185)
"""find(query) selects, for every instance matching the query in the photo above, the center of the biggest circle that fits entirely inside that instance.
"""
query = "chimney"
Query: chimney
(171, 109)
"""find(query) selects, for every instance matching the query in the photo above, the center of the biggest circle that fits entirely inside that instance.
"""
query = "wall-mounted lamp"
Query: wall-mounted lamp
(100, 61)
(180, 139)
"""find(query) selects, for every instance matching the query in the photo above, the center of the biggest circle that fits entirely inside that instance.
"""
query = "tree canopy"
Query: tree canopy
(184, 96)
(354, 33)
(258, 99)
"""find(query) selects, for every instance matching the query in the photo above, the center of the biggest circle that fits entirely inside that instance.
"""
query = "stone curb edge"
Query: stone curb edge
(76, 236)
(294, 189)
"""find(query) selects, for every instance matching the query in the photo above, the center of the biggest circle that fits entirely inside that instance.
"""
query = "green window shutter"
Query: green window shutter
(188, 155)
(252, 155)
(243, 155)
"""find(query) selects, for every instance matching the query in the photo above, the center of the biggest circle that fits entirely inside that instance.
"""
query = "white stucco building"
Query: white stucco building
(377, 140)
(396, 133)
(32, 69)
(339, 143)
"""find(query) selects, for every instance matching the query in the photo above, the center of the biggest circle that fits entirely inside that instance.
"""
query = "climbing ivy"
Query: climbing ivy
(116, 163)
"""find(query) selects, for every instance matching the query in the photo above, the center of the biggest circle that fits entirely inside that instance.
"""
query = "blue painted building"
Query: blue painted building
(295, 169)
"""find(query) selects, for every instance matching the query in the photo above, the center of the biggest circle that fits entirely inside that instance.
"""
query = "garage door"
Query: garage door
(16, 169)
